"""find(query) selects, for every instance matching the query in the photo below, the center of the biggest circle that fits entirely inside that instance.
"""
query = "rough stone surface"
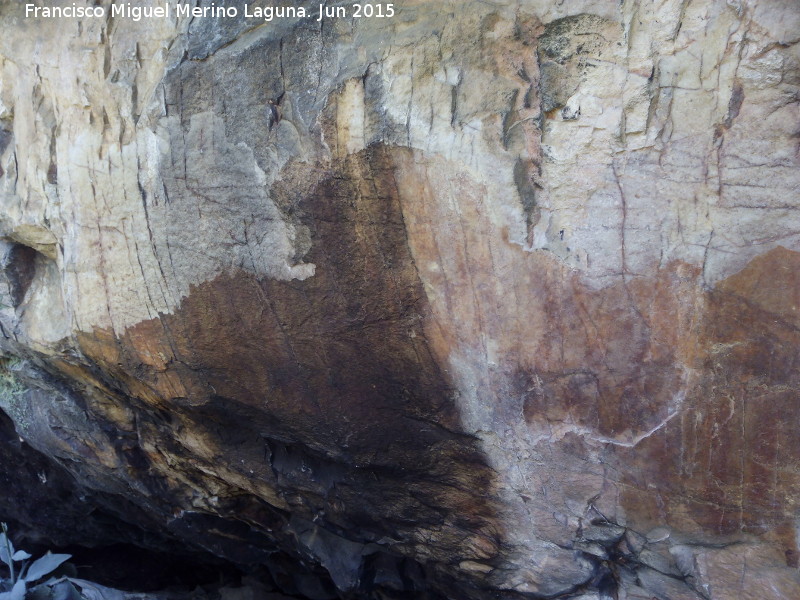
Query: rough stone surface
(490, 299)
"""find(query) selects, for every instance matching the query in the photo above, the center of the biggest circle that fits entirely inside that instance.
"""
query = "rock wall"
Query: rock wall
(486, 299)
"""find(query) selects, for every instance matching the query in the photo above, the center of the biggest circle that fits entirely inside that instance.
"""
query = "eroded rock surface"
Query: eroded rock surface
(487, 299)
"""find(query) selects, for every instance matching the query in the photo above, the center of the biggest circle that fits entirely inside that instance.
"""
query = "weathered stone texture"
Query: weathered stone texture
(491, 299)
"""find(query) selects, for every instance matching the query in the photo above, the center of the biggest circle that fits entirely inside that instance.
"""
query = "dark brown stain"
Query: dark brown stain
(20, 269)
(325, 390)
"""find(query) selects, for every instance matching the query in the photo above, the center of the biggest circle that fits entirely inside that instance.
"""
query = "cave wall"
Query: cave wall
(484, 298)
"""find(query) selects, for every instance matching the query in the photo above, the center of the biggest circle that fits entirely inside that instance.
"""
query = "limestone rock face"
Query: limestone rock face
(486, 299)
